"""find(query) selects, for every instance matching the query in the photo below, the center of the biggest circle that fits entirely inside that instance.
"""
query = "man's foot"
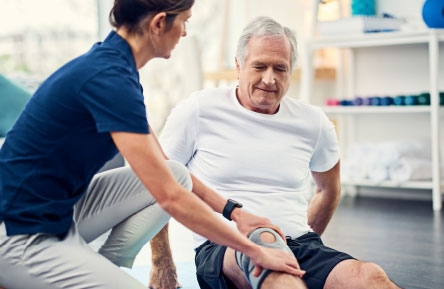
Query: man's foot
(163, 275)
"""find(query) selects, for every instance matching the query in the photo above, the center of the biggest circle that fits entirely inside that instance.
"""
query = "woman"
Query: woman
(51, 206)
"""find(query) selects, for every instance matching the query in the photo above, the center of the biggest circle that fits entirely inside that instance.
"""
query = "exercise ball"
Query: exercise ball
(433, 13)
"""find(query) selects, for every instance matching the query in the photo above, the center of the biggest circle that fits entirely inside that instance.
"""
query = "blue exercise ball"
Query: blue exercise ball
(433, 13)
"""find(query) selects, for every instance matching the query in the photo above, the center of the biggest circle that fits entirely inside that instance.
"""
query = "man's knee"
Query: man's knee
(366, 274)
(181, 174)
(264, 237)
(371, 272)
(267, 237)
(358, 274)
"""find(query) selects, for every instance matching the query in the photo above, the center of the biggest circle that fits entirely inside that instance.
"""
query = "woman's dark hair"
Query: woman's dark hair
(129, 13)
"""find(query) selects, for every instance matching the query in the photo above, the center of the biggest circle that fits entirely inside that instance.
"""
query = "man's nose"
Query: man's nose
(268, 76)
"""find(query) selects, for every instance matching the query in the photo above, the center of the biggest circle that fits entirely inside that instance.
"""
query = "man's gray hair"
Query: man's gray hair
(265, 27)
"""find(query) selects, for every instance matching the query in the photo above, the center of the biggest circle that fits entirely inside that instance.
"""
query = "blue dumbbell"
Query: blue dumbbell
(399, 100)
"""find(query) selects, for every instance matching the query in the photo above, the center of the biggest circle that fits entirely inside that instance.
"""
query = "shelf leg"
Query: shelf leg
(434, 99)
(307, 74)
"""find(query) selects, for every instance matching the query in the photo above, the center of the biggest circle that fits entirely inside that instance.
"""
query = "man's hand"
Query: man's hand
(247, 222)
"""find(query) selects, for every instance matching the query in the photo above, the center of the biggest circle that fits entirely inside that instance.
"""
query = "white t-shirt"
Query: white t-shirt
(262, 161)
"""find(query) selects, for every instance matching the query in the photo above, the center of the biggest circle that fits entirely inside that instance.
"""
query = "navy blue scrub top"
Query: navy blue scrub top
(61, 139)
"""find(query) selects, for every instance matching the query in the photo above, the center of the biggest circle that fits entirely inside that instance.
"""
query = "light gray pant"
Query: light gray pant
(114, 200)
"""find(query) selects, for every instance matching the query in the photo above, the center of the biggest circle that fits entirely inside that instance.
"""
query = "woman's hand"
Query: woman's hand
(276, 260)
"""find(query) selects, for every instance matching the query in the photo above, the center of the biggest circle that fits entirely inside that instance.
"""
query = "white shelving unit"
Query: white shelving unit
(431, 38)
(417, 109)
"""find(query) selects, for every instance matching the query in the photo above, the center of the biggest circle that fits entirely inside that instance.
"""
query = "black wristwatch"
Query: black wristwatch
(229, 207)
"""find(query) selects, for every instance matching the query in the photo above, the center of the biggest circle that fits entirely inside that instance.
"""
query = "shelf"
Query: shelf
(377, 109)
(376, 39)
(426, 185)
(428, 39)
(324, 73)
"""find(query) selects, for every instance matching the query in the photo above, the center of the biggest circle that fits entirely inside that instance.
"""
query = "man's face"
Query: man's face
(265, 76)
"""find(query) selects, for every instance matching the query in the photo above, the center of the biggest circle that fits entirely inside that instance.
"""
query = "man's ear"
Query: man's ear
(158, 23)
(237, 68)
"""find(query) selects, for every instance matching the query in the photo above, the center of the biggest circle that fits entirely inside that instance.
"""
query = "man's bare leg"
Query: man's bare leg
(355, 274)
(163, 271)
(273, 281)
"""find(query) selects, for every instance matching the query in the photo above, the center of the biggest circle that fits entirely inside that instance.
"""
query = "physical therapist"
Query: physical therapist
(52, 203)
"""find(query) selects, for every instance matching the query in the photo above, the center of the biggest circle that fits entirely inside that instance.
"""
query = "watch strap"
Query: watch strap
(229, 207)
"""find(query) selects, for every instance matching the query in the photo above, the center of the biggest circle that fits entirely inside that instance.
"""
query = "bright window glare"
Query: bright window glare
(37, 37)
(19, 15)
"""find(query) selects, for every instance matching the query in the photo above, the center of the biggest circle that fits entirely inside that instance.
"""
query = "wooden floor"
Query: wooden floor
(404, 237)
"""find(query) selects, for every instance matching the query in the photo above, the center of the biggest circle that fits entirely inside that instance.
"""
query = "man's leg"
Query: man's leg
(163, 271)
(355, 274)
(274, 280)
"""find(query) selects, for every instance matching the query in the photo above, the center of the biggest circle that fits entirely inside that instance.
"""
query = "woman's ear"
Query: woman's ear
(158, 23)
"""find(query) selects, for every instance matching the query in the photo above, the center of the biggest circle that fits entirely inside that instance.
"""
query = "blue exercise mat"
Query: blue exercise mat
(186, 272)
(12, 100)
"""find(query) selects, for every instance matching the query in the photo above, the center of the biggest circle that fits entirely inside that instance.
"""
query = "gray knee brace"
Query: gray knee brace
(244, 261)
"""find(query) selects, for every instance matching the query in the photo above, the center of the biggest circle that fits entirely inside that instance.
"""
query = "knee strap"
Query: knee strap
(247, 266)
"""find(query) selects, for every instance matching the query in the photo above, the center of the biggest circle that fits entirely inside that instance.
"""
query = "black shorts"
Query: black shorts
(313, 257)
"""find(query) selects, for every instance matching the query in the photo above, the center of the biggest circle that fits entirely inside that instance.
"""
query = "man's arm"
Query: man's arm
(325, 199)
(148, 163)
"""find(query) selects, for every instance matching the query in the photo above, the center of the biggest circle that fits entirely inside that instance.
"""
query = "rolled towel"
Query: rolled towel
(352, 170)
(359, 157)
(411, 169)
(390, 152)
(377, 172)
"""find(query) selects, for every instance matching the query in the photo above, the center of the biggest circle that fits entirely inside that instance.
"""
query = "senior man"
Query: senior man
(256, 147)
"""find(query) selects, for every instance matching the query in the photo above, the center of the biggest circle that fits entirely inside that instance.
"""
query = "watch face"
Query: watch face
(237, 204)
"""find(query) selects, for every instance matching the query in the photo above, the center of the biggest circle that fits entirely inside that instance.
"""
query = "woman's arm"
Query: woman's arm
(146, 159)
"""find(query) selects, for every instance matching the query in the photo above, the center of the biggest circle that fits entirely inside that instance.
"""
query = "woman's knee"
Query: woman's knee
(181, 174)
